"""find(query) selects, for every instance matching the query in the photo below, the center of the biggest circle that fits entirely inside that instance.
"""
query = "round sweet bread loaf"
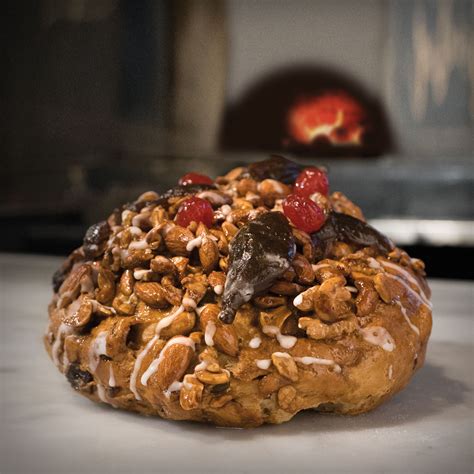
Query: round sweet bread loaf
(238, 302)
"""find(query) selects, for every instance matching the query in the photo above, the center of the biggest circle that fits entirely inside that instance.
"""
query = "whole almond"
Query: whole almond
(208, 254)
(182, 324)
(152, 294)
(175, 361)
(177, 238)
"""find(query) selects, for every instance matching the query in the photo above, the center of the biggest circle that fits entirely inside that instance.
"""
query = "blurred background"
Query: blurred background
(104, 99)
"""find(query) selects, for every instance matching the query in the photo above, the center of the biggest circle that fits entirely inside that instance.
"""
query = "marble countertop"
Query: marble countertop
(46, 427)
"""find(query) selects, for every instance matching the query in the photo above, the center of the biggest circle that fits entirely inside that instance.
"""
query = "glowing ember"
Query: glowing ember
(333, 117)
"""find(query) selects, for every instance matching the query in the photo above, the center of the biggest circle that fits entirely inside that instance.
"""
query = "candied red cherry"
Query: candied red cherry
(195, 209)
(310, 181)
(305, 214)
(194, 178)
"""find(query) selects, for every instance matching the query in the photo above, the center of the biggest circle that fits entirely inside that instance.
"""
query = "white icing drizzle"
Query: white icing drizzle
(378, 336)
(189, 303)
(140, 273)
(320, 265)
(98, 346)
(212, 196)
(222, 212)
(374, 264)
(409, 277)
(125, 214)
(73, 307)
(405, 315)
(138, 245)
(255, 342)
(287, 342)
(390, 372)
(263, 364)
(165, 322)
(309, 360)
(101, 393)
(176, 386)
(421, 299)
(201, 366)
(282, 354)
(134, 230)
(209, 333)
(112, 382)
(140, 218)
(87, 285)
(153, 367)
(195, 243)
(298, 299)
(137, 365)
(218, 289)
(63, 331)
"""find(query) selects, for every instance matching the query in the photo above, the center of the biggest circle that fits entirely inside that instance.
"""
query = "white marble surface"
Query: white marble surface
(46, 427)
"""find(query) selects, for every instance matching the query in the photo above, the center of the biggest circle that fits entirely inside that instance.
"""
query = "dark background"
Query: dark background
(105, 99)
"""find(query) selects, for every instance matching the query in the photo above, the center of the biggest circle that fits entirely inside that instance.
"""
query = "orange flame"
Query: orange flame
(334, 116)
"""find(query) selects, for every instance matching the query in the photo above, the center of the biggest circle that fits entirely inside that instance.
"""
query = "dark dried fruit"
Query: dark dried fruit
(259, 254)
(221, 388)
(96, 235)
(63, 271)
(348, 229)
(277, 167)
(58, 278)
(78, 378)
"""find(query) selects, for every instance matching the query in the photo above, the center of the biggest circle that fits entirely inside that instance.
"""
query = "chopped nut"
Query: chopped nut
(269, 301)
(304, 241)
(332, 300)
(106, 283)
(318, 330)
(210, 378)
(303, 268)
(190, 396)
(286, 365)
(126, 283)
(276, 317)
(271, 383)
(305, 300)
(367, 297)
(164, 266)
(221, 401)
(282, 287)
(271, 189)
(341, 203)
(286, 396)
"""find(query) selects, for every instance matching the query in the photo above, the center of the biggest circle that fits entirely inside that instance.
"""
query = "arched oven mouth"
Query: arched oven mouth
(308, 110)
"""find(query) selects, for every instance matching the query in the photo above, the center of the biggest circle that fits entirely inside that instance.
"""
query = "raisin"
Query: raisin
(78, 378)
(348, 229)
(277, 167)
(95, 236)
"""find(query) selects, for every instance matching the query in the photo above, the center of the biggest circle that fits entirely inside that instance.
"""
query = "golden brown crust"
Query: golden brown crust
(134, 322)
